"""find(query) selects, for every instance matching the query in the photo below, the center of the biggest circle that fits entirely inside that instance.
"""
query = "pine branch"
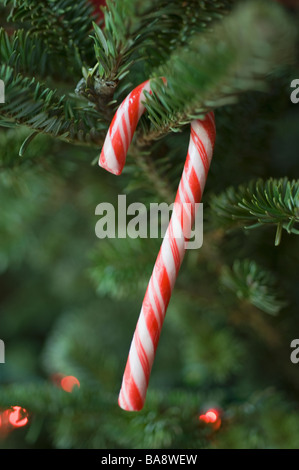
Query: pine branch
(30, 103)
(132, 35)
(114, 270)
(149, 175)
(11, 141)
(271, 202)
(256, 40)
(34, 52)
(155, 31)
(26, 53)
(252, 283)
(62, 24)
(114, 45)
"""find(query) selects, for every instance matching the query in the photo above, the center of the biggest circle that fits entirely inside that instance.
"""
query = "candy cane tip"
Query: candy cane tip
(124, 406)
(103, 164)
(121, 404)
(132, 405)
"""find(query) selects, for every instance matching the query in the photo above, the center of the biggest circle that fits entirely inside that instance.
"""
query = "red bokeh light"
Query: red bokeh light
(12, 418)
(18, 417)
(211, 417)
(69, 382)
(97, 4)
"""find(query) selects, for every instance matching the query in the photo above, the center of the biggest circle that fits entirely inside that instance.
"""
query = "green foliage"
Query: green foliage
(25, 52)
(168, 425)
(255, 285)
(212, 351)
(62, 26)
(128, 39)
(258, 203)
(134, 34)
(259, 415)
(113, 45)
(10, 143)
(27, 55)
(152, 32)
(219, 65)
(30, 103)
(69, 301)
(122, 267)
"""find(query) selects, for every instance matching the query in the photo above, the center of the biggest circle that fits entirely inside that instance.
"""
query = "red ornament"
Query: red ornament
(97, 4)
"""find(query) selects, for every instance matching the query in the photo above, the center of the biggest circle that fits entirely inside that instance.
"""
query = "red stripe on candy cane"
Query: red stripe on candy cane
(147, 333)
(121, 130)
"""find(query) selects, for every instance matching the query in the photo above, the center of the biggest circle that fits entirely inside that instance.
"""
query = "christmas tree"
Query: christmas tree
(225, 373)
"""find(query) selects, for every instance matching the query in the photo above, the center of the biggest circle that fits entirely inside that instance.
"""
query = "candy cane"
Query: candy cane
(145, 340)
(122, 128)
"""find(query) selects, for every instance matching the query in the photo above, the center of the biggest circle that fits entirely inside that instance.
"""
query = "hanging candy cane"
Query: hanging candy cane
(171, 254)
(122, 128)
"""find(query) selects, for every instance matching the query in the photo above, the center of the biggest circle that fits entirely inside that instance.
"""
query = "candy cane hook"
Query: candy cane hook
(122, 128)
(145, 340)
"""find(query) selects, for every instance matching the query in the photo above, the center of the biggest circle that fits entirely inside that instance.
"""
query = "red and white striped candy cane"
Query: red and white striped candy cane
(171, 254)
(122, 128)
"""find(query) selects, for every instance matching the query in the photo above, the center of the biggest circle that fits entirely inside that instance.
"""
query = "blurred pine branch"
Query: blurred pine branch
(258, 203)
(253, 42)
(252, 283)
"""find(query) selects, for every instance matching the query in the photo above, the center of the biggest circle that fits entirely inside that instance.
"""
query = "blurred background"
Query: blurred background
(69, 302)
